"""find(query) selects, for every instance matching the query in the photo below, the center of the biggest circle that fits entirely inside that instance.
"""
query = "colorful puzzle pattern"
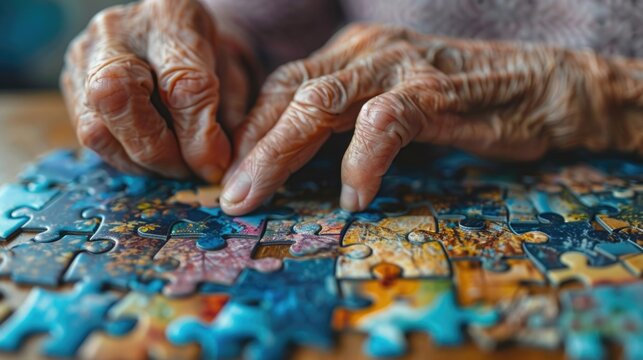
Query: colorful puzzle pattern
(123, 267)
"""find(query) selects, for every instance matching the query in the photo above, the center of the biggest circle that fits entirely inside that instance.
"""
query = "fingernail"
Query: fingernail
(237, 188)
(212, 173)
(349, 200)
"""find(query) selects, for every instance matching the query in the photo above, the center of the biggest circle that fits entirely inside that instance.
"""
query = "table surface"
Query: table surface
(36, 122)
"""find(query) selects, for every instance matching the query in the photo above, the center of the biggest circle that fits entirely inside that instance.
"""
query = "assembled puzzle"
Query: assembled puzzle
(104, 265)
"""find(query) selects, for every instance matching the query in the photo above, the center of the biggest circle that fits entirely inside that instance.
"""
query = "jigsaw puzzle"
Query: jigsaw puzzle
(103, 265)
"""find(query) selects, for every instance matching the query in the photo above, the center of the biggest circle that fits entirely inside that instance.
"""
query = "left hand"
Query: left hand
(505, 100)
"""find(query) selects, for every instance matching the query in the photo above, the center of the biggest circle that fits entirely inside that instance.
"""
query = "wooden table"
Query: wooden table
(34, 123)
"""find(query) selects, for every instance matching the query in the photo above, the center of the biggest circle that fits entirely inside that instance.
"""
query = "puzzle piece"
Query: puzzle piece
(62, 215)
(60, 167)
(428, 306)
(13, 196)
(188, 265)
(288, 307)
(477, 285)
(578, 269)
(202, 196)
(43, 263)
(66, 317)
(153, 313)
(210, 234)
(529, 320)
(366, 245)
(520, 209)
(491, 242)
(579, 236)
(468, 203)
(591, 315)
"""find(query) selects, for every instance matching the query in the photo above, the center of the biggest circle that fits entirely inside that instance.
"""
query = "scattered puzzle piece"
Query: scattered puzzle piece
(529, 320)
(67, 318)
(292, 306)
(613, 313)
(147, 340)
(431, 309)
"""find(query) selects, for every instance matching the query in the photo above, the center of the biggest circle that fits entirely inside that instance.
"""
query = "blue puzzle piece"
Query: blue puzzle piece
(293, 306)
(68, 318)
(13, 196)
(62, 215)
(589, 316)
(43, 263)
(60, 167)
(443, 320)
(579, 236)
(212, 232)
(133, 254)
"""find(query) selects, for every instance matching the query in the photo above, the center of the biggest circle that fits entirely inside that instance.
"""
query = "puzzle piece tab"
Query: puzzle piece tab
(153, 314)
(366, 245)
(67, 318)
(44, 263)
(194, 266)
(292, 306)
(13, 196)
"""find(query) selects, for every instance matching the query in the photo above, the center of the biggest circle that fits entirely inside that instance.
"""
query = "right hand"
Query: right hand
(167, 49)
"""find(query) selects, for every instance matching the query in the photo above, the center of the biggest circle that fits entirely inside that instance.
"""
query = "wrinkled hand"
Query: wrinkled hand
(144, 82)
(501, 100)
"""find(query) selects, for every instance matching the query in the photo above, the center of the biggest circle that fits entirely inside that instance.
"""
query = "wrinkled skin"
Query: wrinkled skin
(393, 86)
(169, 47)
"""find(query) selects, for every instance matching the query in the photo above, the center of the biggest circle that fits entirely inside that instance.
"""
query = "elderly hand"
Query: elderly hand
(144, 84)
(502, 100)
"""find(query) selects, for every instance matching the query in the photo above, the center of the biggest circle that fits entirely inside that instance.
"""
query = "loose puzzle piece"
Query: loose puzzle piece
(529, 320)
(185, 266)
(579, 269)
(203, 196)
(14, 196)
(66, 317)
(613, 313)
(147, 340)
(477, 285)
(43, 263)
(289, 307)
(520, 209)
(366, 245)
(432, 309)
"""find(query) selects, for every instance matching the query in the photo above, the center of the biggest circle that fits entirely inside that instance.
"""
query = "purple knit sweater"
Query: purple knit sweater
(284, 30)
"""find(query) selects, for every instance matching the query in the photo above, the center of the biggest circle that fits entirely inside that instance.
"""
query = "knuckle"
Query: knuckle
(94, 135)
(111, 87)
(389, 117)
(189, 89)
(144, 153)
(287, 77)
(326, 93)
(106, 17)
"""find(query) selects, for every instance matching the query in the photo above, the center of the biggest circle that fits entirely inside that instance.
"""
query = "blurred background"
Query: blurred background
(35, 34)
